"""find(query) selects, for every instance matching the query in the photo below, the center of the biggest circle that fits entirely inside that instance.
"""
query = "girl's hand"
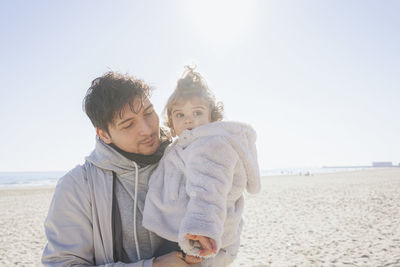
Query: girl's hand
(208, 245)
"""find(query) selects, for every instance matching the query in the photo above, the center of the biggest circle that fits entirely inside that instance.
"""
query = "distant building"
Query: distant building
(382, 164)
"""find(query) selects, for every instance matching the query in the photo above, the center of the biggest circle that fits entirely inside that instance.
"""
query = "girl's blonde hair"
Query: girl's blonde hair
(190, 85)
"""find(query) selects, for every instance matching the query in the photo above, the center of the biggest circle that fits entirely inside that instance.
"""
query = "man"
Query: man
(95, 217)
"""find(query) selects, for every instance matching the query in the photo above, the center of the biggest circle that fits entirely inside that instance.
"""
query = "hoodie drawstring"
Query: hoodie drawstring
(134, 211)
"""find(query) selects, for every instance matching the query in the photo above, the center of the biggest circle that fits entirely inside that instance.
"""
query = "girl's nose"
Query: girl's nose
(188, 119)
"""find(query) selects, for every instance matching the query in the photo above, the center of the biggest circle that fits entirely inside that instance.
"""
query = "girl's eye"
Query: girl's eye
(198, 113)
(179, 115)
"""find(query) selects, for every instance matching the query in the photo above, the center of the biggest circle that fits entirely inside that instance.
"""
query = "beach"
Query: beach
(23, 211)
(336, 219)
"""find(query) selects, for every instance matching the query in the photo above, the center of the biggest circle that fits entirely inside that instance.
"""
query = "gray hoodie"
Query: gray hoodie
(79, 225)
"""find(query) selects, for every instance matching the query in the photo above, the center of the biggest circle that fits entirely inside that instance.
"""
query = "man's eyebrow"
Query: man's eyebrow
(128, 119)
(122, 122)
(148, 107)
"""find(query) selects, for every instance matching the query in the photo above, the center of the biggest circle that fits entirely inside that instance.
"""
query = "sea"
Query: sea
(23, 179)
(28, 179)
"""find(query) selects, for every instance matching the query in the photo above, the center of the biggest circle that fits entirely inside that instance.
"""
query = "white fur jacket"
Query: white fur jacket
(199, 184)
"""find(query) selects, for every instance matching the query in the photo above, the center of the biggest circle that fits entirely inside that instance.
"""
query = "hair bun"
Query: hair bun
(191, 80)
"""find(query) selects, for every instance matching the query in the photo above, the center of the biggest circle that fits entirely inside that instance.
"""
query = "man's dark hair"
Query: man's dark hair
(109, 94)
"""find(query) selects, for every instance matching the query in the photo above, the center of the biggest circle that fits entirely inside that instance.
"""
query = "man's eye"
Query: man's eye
(179, 115)
(128, 126)
(198, 113)
(149, 113)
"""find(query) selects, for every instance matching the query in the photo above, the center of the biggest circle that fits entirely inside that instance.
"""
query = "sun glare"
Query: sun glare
(222, 21)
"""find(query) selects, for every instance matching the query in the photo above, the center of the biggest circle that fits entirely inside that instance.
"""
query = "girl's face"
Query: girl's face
(189, 113)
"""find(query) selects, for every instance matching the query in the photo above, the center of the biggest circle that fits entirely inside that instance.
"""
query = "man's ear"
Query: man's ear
(104, 136)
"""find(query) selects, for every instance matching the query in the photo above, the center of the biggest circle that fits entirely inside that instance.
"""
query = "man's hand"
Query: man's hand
(190, 259)
(174, 259)
(208, 245)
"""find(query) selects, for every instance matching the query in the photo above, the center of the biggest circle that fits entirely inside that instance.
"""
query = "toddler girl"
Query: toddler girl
(195, 195)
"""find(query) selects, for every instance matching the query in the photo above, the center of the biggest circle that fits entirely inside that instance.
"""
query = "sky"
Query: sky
(318, 80)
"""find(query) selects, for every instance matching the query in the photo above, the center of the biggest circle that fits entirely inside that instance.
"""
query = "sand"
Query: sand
(22, 238)
(341, 219)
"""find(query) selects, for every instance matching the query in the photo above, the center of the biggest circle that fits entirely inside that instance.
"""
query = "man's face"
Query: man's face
(189, 114)
(134, 132)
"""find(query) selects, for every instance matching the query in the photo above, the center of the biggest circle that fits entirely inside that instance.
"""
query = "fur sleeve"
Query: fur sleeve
(209, 167)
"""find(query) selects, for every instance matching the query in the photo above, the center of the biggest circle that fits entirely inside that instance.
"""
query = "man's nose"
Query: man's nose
(145, 128)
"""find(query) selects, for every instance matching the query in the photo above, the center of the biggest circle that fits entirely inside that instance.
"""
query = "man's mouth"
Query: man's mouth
(148, 142)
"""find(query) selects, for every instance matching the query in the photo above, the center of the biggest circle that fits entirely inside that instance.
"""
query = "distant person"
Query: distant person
(195, 195)
(95, 217)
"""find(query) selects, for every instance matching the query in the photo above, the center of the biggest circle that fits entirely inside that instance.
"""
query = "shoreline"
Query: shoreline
(264, 174)
(27, 188)
(337, 171)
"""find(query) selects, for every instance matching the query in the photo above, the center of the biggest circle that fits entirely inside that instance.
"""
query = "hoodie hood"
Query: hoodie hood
(107, 158)
(241, 136)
